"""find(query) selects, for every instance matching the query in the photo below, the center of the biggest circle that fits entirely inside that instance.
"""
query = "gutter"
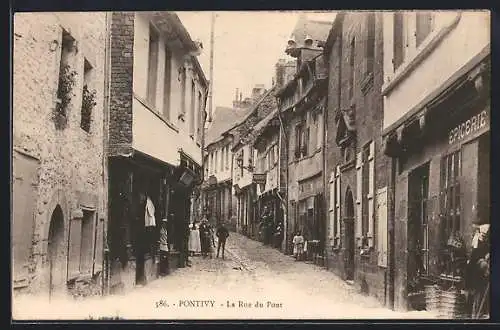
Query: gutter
(106, 276)
(285, 202)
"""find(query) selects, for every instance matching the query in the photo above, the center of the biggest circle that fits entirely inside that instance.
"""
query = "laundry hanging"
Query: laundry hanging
(149, 219)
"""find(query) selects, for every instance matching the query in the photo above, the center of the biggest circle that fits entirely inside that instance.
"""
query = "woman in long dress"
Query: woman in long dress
(194, 239)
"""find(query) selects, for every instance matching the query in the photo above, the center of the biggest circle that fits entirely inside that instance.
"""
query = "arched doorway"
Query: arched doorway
(55, 251)
(349, 236)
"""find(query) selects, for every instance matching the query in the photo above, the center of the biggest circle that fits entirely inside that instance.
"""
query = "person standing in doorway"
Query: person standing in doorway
(222, 235)
(163, 248)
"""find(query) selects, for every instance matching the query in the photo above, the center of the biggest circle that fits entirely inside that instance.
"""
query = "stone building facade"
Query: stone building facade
(243, 165)
(59, 172)
(218, 199)
(158, 94)
(356, 167)
(302, 105)
(436, 129)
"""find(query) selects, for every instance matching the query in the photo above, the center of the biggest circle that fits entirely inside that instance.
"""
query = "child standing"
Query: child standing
(298, 245)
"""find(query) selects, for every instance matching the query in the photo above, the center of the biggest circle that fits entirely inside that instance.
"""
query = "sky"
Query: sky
(247, 46)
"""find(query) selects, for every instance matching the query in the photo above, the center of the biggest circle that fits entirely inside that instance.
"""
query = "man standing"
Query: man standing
(222, 234)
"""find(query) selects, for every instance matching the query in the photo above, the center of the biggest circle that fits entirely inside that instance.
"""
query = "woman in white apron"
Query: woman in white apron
(194, 239)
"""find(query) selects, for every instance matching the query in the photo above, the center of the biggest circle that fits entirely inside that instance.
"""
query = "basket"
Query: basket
(452, 305)
(432, 297)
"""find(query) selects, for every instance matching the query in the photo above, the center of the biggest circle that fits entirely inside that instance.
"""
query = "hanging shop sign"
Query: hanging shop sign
(259, 178)
(475, 125)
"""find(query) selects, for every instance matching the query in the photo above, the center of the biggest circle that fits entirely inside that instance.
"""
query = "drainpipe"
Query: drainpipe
(107, 79)
(284, 202)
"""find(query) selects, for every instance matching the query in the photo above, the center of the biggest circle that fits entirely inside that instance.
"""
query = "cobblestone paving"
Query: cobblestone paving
(252, 282)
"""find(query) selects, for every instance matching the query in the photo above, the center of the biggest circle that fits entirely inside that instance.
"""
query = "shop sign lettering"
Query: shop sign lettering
(470, 126)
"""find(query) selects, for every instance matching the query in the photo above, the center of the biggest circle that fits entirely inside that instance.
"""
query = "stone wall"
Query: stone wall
(70, 159)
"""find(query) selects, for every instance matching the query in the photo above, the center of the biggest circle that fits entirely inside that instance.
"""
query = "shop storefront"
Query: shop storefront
(442, 192)
(310, 215)
(143, 192)
(269, 202)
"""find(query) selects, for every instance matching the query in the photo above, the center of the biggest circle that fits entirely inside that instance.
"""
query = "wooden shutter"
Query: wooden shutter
(382, 226)
(371, 193)
(306, 141)
(337, 204)
(359, 197)
(331, 208)
(75, 243)
(24, 187)
(98, 246)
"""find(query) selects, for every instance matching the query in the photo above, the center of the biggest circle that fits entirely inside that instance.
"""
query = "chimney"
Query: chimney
(241, 96)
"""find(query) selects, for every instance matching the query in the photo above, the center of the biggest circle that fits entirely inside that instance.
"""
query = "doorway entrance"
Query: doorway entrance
(418, 230)
(55, 251)
(349, 236)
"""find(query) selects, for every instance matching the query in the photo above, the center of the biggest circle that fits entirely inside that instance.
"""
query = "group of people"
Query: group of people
(201, 239)
(271, 232)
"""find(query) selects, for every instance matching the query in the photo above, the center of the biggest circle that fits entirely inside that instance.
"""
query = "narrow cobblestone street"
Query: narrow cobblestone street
(249, 273)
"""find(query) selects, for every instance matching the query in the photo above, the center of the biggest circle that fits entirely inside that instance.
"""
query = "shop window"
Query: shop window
(154, 42)
(424, 26)
(418, 229)
(450, 201)
(399, 43)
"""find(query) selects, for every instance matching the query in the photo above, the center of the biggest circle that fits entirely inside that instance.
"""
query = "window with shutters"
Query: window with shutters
(200, 117)
(365, 192)
(382, 227)
(216, 159)
(304, 148)
(242, 161)
(154, 43)
(370, 42)
(399, 42)
(424, 26)
(167, 83)
(222, 157)
(352, 68)
(192, 109)
(334, 208)
(87, 241)
(299, 136)
(338, 240)
(331, 211)
(319, 131)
